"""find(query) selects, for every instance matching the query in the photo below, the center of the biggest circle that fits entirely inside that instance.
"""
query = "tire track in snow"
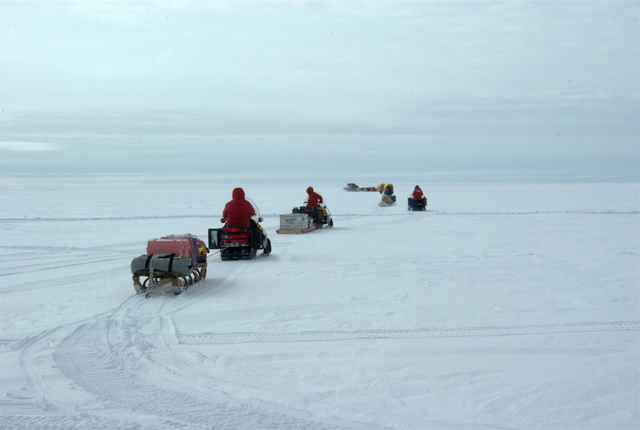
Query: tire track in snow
(332, 336)
(37, 365)
(58, 266)
(130, 361)
(65, 280)
(116, 218)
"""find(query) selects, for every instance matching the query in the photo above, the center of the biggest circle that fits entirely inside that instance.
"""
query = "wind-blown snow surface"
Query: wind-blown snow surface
(503, 306)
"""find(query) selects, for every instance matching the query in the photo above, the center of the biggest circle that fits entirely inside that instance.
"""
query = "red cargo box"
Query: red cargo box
(180, 246)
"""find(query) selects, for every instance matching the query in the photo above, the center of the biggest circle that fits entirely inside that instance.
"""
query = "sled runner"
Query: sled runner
(304, 219)
(171, 263)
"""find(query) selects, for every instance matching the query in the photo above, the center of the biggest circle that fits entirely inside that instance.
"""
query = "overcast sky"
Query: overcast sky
(389, 87)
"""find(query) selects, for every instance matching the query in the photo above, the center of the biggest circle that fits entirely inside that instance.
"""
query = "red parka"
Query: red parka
(417, 193)
(238, 212)
(313, 199)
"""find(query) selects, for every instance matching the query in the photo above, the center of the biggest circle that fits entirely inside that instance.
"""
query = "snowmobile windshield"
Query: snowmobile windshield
(256, 217)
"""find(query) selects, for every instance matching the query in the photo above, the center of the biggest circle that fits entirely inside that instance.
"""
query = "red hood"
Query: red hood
(238, 194)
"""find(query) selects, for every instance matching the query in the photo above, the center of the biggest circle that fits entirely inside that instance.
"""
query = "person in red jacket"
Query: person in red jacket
(238, 211)
(313, 199)
(417, 193)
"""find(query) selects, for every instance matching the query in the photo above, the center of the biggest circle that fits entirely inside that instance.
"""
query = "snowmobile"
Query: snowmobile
(388, 198)
(240, 243)
(354, 187)
(417, 205)
(305, 219)
(175, 261)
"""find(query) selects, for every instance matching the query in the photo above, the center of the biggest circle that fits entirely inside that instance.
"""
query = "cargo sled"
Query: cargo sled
(354, 187)
(240, 243)
(387, 201)
(172, 263)
(417, 205)
(304, 219)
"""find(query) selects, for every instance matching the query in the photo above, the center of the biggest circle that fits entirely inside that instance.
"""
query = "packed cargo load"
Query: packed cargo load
(304, 219)
(175, 261)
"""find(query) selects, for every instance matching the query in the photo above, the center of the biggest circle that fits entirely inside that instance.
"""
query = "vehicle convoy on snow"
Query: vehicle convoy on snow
(354, 187)
(240, 243)
(305, 219)
(175, 261)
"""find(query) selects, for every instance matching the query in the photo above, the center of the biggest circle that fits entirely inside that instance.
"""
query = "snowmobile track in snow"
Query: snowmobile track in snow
(109, 360)
(328, 336)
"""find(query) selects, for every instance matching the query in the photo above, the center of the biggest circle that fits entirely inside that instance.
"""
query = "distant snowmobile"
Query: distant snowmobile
(388, 198)
(417, 201)
(305, 219)
(417, 205)
(354, 187)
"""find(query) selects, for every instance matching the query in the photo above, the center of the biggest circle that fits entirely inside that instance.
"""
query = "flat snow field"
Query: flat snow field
(501, 307)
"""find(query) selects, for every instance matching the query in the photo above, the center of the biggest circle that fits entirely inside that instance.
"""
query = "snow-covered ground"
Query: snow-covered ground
(503, 306)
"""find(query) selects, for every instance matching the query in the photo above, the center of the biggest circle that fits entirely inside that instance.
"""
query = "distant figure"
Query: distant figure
(417, 193)
(388, 190)
(385, 189)
(313, 198)
(238, 211)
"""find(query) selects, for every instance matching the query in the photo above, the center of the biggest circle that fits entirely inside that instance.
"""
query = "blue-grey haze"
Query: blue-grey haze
(535, 90)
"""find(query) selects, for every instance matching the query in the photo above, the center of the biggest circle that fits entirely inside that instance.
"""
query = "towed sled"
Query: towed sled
(240, 243)
(387, 201)
(171, 263)
(354, 187)
(417, 205)
(304, 219)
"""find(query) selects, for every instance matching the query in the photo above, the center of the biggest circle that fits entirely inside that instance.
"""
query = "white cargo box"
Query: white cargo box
(295, 222)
